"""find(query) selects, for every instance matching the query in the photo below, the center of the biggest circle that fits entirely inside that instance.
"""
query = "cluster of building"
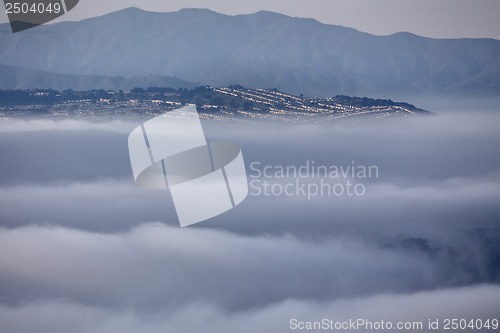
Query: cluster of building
(234, 102)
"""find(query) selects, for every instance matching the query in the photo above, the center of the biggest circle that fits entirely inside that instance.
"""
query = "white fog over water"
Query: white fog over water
(82, 248)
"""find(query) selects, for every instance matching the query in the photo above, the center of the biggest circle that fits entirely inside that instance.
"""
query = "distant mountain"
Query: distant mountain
(22, 78)
(258, 50)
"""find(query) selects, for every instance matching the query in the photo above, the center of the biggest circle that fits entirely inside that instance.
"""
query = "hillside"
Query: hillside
(233, 102)
(22, 78)
(258, 50)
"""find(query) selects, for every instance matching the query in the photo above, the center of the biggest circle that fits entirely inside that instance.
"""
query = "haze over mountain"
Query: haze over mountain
(258, 50)
(21, 78)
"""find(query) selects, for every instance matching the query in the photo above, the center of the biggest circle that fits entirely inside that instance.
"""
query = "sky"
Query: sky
(429, 18)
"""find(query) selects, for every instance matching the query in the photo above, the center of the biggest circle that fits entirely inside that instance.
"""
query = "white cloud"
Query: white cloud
(37, 125)
(158, 266)
(262, 263)
(475, 302)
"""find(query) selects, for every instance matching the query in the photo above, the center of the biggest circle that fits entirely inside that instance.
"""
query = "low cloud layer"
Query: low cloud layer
(155, 278)
(159, 266)
(479, 302)
(83, 249)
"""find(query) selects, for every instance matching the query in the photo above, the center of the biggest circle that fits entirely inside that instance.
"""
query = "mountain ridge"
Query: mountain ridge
(12, 77)
(264, 49)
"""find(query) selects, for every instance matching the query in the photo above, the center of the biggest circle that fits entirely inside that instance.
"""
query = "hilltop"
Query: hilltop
(233, 102)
